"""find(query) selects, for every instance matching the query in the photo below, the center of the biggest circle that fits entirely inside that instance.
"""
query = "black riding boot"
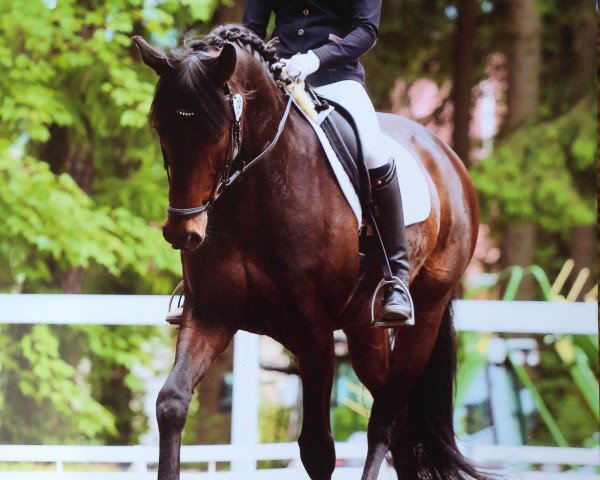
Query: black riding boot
(389, 217)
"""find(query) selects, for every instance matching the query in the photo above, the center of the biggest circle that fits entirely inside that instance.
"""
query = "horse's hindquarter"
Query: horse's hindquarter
(443, 244)
(422, 236)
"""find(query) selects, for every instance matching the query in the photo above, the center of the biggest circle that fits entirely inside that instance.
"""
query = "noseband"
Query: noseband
(228, 175)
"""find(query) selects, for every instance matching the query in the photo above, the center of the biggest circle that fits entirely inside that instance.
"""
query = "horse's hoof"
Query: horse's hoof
(174, 316)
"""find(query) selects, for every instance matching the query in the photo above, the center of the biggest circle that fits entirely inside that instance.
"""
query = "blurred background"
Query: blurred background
(510, 84)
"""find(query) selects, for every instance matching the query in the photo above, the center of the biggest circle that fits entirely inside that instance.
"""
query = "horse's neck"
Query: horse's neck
(291, 184)
(293, 181)
(265, 105)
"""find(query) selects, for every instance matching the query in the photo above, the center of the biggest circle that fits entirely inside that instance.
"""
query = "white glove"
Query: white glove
(302, 65)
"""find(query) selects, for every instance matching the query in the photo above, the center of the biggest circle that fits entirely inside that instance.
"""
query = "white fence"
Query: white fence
(138, 462)
(471, 315)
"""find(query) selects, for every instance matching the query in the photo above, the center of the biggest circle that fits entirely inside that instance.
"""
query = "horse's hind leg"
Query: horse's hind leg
(369, 354)
(316, 363)
(424, 444)
(197, 346)
(409, 359)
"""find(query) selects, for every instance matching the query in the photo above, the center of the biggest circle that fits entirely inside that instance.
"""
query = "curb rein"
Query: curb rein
(226, 177)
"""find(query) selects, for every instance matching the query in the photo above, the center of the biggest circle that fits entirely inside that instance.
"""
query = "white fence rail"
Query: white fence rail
(471, 315)
(137, 462)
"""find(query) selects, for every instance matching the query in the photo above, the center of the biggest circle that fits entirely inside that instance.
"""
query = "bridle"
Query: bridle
(228, 174)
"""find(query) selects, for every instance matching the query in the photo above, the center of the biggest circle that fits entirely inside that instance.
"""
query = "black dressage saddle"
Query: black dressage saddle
(343, 135)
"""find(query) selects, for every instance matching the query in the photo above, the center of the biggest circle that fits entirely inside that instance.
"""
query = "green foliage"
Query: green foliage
(49, 219)
(274, 424)
(566, 403)
(541, 174)
(563, 414)
(55, 387)
(82, 188)
(346, 422)
(564, 386)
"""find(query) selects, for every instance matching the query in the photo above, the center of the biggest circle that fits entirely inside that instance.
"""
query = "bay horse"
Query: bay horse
(273, 250)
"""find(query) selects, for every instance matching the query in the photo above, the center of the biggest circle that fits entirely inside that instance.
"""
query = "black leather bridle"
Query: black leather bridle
(228, 175)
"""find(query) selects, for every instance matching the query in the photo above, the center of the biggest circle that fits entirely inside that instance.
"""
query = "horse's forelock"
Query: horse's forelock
(188, 87)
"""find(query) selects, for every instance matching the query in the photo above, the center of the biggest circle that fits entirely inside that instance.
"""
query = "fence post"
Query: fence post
(244, 410)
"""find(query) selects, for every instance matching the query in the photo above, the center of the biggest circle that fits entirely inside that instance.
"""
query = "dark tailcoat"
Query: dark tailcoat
(337, 31)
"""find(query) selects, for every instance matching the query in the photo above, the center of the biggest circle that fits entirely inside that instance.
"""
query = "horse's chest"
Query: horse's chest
(231, 284)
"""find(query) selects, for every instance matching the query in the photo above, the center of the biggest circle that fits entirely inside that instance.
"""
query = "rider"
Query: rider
(321, 41)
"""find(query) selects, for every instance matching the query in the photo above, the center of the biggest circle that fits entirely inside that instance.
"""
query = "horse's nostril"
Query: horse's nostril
(184, 235)
(194, 239)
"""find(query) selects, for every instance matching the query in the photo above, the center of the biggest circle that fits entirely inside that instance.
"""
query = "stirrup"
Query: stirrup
(174, 316)
(409, 322)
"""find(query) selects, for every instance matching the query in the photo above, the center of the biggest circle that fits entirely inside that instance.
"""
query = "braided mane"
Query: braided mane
(188, 87)
(234, 33)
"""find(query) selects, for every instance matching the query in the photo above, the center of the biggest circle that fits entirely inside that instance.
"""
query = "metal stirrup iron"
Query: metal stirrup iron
(174, 316)
(409, 322)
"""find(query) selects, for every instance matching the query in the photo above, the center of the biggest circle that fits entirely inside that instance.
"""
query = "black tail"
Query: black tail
(427, 438)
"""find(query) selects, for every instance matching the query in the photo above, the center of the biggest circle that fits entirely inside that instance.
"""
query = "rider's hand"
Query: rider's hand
(302, 65)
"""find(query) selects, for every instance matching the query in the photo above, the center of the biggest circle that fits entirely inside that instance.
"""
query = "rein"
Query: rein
(226, 177)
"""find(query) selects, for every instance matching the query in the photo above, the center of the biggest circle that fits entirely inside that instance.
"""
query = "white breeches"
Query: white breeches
(377, 146)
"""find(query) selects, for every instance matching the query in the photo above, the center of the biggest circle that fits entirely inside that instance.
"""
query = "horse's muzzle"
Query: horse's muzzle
(185, 233)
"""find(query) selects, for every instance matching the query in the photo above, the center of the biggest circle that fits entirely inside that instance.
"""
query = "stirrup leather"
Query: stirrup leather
(409, 322)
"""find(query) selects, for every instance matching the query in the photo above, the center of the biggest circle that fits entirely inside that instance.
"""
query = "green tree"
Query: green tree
(83, 194)
(543, 210)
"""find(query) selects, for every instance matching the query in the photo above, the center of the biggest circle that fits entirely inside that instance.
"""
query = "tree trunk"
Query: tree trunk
(213, 422)
(523, 101)
(524, 63)
(518, 248)
(229, 13)
(585, 31)
(583, 246)
(64, 157)
(462, 90)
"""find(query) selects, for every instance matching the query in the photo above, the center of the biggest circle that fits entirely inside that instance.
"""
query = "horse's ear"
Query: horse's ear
(224, 65)
(152, 57)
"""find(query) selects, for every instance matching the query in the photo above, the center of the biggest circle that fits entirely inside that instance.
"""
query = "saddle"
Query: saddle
(344, 137)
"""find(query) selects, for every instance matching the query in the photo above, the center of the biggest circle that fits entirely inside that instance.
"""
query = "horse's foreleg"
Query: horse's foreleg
(197, 346)
(317, 449)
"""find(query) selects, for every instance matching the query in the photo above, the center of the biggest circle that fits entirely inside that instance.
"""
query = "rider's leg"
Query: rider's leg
(390, 221)
(386, 194)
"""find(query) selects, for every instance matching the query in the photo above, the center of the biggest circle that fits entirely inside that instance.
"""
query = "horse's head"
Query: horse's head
(196, 114)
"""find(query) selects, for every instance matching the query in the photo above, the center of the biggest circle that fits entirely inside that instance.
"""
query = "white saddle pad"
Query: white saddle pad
(416, 202)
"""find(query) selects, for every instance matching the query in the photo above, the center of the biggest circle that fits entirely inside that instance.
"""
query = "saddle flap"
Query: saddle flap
(341, 143)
